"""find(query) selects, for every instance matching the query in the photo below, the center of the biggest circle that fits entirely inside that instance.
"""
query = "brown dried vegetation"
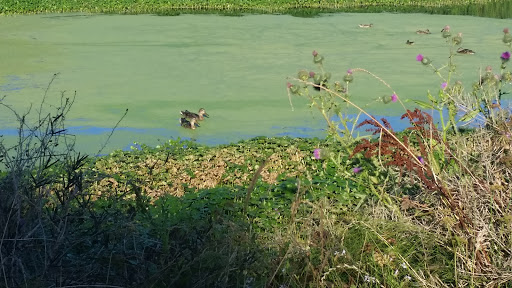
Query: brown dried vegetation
(163, 173)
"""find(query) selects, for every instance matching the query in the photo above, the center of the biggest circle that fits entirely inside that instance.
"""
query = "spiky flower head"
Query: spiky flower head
(424, 60)
(386, 99)
(357, 170)
(446, 32)
(317, 153)
(311, 74)
(292, 88)
(338, 87)
(317, 58)
(505, 57)
(457, 39)
(507, 38)
(348, 77)
(320, 153)
(394, 98)
(444, 85)
(303, 75)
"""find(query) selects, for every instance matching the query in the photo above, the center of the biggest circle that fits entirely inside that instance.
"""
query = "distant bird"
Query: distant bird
(465, 51)
(366, 25)
(189, 124)
(191, 115)
(409, 42)
(426, 31)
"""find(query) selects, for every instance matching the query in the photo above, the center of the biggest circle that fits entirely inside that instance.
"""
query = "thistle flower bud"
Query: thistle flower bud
(457, 39)
(507, 76)
(303, 75)
(507, 38)
(424, 60)
(293, 88)
(338, 87)
(386, 99)
(317, 58)
(311, 74)
(348, 77)
(446, 32)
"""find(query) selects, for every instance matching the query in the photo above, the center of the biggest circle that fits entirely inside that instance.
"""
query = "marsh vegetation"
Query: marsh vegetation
(429, 206)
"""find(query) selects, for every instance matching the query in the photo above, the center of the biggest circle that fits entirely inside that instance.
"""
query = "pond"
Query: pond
(234, 67)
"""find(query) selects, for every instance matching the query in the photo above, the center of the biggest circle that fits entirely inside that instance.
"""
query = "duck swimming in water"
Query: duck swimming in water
(189, 124)
(409, 42)
(199, 116)
(366, 25)
(465, 51)
(426, 31)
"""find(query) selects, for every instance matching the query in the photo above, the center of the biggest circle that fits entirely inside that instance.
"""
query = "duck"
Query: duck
(409, 42)
(366, 25)
(465, 51)
(426, 31)
(188, 124)
(199, 116)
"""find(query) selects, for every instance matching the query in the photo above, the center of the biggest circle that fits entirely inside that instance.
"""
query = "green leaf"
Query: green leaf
(424, 104)
(469, 116)
(431, 98)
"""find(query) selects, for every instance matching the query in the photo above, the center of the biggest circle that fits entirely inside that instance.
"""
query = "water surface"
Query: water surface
(234, 67)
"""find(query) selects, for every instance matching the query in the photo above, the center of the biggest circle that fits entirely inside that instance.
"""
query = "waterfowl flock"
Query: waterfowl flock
(189, 119)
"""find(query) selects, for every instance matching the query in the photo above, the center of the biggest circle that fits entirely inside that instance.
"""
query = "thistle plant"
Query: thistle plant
(481, 102)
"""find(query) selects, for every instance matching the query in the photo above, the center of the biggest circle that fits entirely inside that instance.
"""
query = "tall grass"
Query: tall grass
(460, 190)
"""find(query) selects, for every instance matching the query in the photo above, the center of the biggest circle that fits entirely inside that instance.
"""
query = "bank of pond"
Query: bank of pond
(308, 8)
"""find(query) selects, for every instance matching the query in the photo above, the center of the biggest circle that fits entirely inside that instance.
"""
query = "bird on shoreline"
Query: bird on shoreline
(191, 115)
(426, 31)
(189, 124)
(465, 51)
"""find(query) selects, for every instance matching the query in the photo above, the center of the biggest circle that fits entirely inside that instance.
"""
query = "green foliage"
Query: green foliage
(302, 8)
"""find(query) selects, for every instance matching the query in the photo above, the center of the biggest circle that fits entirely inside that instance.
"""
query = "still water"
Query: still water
(234, 67)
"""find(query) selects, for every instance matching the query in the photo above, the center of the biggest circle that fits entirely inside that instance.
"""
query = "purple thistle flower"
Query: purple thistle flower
(289, 85)
(357, 170)
(422, 161)
(419, 57)
(505, 30)
(311, 74)
(394, 98)
(443, 85)
(349, 71)
(315, 53)
(505, 56)
(317, 153)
